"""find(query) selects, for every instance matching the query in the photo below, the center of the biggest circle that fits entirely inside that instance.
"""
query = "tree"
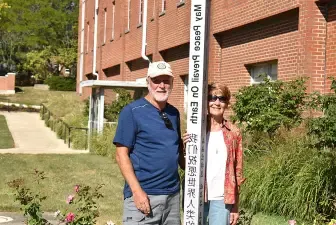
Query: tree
(3, 5)
(38, 27)
(40, 63)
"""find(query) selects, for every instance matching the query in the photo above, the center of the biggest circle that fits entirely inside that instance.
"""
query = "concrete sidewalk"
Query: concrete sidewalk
(31, 136)
(17, 218)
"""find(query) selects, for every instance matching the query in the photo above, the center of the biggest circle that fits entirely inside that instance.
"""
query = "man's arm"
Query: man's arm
(181, 155)
(139, 196)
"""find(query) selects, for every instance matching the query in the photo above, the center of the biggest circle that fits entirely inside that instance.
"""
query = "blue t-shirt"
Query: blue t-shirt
(154, 149)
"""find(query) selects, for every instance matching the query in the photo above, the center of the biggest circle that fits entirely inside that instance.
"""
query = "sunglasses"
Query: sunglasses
(166, 120)
(213, 98)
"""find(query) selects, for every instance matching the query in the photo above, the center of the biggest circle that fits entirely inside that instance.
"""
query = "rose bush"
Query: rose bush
(84, 208)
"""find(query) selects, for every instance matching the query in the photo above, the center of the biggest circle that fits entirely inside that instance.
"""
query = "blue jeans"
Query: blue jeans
(216, 212)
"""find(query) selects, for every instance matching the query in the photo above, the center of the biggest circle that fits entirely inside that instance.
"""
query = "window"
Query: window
(128, 14)
(180, 3)
(113, 13)
(140, 11)
(258, 71)
(105, 17)
(87, 37)
(164, 6)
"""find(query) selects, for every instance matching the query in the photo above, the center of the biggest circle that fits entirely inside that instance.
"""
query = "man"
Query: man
(148, 142)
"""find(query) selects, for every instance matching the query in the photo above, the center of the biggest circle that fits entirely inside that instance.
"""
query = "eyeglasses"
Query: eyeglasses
(213, 98)
(157, 80)
(166, 120)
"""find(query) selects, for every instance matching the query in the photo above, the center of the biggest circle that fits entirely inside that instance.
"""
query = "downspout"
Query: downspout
(81, 61)
(94, 63)
(144, 32)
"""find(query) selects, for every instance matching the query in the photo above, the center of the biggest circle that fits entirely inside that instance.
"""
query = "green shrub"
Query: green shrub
(269, 105)
(101, 144)
(291, 179)
(78, 139)
(113, 110)
(58, 83)
(245, 217)
(86, 110)
(323, 129)
(60, 129)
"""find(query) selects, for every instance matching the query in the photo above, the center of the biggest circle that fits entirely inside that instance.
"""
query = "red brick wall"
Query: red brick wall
(331, 45)
(299, 34)
(7, 84)
(274, 38)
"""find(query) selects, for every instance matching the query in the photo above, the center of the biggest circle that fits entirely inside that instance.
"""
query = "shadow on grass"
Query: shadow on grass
(18, 90)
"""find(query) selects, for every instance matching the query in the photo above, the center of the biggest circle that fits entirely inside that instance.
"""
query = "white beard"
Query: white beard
(158, 96)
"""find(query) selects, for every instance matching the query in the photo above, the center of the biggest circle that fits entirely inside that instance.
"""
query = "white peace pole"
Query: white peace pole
(196, 116)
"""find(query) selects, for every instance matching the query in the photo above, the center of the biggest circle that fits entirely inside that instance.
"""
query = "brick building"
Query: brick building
(7, 84)
(284, 38)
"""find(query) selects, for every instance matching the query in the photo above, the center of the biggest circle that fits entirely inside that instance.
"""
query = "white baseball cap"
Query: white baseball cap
(159, 68)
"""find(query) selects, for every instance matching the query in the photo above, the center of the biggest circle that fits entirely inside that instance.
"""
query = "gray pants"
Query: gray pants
(165, 210)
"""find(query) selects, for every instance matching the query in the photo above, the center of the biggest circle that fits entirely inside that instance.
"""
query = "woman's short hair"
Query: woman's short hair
(216, 88)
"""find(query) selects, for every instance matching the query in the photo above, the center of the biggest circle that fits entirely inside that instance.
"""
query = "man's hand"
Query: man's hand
(234, 218)
(141, 201)
(139, 196)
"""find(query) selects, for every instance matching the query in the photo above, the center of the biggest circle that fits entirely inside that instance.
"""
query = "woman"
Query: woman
(224, 161)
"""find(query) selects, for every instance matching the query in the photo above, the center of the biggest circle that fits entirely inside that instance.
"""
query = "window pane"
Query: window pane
(258, 73)
(274, 72)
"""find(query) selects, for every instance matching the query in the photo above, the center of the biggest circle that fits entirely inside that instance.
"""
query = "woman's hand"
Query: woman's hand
(234, 218)
(185, 138)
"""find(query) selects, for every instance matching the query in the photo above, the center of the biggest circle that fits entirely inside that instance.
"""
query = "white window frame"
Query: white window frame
(105, 24)
(113, 14)
(153, 8)
(163, 8)
(267, 67)
(87, 37)
(128, 15)
(140, 11)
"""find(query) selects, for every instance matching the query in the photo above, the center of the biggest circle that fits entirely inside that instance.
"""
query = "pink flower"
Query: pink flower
(70, 199)
(70, 217)
(291, 222)
(77, 188)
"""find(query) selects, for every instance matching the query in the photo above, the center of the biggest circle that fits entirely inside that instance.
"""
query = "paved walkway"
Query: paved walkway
(16, 218)
(31, 136)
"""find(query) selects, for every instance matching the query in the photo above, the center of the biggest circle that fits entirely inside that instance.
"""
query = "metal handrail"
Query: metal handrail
(67, 128)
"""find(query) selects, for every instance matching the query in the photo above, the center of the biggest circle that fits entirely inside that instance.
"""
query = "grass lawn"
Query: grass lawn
(31, 96)
(63, 172)
(6, 139)
(262, 219)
